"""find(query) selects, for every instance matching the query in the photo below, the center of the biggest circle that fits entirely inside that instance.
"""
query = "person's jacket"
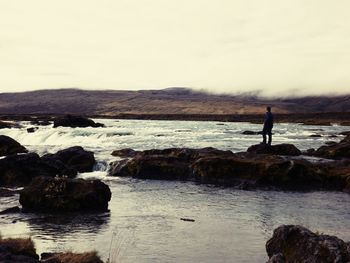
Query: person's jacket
(268, 121)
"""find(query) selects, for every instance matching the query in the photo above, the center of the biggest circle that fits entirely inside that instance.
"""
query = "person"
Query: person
(268, 125)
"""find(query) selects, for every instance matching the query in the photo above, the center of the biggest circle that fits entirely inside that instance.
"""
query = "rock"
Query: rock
(240, 170)
(40, 122)
(252, 133)
(65, 195)
(74, 157)
(278, 258)
(10, 146)
(5, 125)
(11, 210)
(294, 243)
(315, 136)
(69, 257)
(152, 167)
(4, 192)
(75, 121)
(278, 149)
(19, 250)
(125, 153)
(19, 170)
(166, 164)
(318, 122)
(268, 171)
(32, 129)
(335, 151)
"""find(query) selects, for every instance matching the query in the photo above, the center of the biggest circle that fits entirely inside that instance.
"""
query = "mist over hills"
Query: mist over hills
(167, 101)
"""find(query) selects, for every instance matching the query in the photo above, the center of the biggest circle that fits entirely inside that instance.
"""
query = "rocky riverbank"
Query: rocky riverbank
(269, 167)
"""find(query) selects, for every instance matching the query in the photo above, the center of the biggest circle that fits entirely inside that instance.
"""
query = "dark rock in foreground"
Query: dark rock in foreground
(10, 146)
(74, 157)
(241, 170)
(22, 250)
(278, 149)
(292, 243)
(75, 121)
(65, 195)
(17, 251)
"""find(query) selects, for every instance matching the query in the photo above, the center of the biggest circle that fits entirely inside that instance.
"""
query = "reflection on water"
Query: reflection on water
(144, 223)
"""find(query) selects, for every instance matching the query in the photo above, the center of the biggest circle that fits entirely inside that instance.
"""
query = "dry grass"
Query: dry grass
(20, 246)
(69, 257)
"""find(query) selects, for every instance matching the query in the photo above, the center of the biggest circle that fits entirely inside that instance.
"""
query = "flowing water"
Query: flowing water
(143, 224)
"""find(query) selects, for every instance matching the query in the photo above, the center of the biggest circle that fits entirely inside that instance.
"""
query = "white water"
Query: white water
(144, 219)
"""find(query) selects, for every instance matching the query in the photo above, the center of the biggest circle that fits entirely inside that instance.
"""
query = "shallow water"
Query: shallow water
(144, 224)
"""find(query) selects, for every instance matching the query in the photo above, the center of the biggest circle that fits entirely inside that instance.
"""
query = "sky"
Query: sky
(276, 47)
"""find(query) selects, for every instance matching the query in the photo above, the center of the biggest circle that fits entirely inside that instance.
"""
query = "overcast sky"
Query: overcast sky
(279, 46)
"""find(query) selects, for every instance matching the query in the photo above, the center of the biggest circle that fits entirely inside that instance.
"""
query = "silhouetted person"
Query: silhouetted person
(268, 125)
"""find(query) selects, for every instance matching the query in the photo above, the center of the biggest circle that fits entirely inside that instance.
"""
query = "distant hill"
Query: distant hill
(168, 101)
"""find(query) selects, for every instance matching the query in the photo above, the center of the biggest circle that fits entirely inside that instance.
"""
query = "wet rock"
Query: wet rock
(278, 258)
(125, 153)
(19, 170)
(75, 121)
(69, 257)
(10, 146)
(240, 170)
(315, 136)
(252, 133)
(74, 157)
(278, 149)
(336, 150)
(32, 129)
(19, 250)
(65, 195)
(41, 122)
(5, 125)
(153, 167)
(268, 171)
(11, 210)
(294, 243)
(4, 192)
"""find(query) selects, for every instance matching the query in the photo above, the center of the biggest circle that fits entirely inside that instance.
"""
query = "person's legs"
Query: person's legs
(270, 136)
(264, 132)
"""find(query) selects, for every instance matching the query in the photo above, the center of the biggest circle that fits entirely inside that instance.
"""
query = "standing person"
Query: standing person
(268, 125)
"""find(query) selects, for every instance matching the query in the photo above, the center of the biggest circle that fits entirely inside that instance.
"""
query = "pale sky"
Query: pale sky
(278, 46)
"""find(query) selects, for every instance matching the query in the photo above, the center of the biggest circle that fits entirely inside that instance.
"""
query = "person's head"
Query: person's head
(268, 108)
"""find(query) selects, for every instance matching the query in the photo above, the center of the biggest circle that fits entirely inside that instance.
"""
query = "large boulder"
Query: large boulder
(75, 121)
(278, 149)
(65, 195)
(294, 244)
(19, 170)
(265, 171)
(336, 150)
(152, 167)
(165, 164)
(10, 146)
(74, 157)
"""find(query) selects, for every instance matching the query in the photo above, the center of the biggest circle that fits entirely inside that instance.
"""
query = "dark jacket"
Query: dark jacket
(268, 121)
